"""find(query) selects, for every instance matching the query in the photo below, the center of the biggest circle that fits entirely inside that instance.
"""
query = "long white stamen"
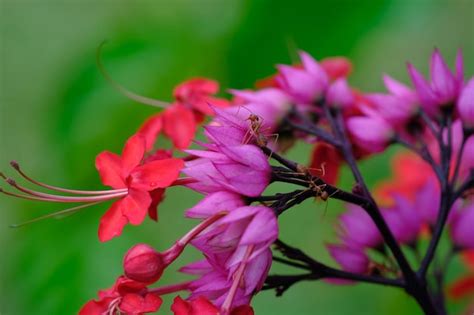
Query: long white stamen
(58, 198)
(16, 166)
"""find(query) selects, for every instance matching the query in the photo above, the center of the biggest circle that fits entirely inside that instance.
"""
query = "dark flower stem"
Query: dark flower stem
(318, 271)
(416, 286)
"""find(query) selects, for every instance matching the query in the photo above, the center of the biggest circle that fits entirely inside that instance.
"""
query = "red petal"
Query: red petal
(243, 310)
(124, 285)
(266, 82)
(109, 166)
(157, 197)
(326, 162)
(195, 86)
(112, 222)
(179, 125)
(150, 130)
(135, 206)
(468, 258)
(156, 174)
(202, 306)
(135, 304)
(133, 153)
(180, 306)
(337, 67)
(462, 288)
(95, 307)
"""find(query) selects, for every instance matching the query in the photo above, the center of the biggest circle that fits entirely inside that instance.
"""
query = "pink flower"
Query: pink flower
(229, 164)
(467, 162)
(404, 221)
(241, 169)
(215, 202)
(461, 230)
(305, 85)
(350, 259)
(371, 132)
(340, 94)
(398, 107)
(357, 229)
(242, 227)
(218, 284)
(445, 86)
(465, 105)
(270, 105)
(238, 257)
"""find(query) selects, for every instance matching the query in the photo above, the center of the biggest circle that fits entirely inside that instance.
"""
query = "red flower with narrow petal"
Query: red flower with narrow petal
(202, 306)
(127, 296)
(143, 181)
(179, 121)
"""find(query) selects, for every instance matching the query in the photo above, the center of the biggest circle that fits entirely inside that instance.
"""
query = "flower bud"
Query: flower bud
(339, 94)
(144, 264)
(466, 105)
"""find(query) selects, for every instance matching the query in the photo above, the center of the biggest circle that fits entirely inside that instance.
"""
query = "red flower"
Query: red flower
(126, 296)
(410, 174)
(143, 181)
(326, 162)
(179, 121)
(202, 306)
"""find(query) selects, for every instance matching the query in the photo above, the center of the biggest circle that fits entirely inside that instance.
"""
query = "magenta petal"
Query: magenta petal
(215, 202)
(443, 81)
(340, 94)
(426, 95)
(397, 88)
(372, 134)
(249, 155)
(243, 179)
(350, 259)
(462, 232)
(465, 104)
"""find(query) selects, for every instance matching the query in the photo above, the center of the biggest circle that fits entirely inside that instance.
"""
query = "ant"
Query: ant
(318, 189)
(255, 129)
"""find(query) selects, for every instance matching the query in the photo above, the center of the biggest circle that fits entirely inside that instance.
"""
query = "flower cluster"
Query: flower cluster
(242, 155)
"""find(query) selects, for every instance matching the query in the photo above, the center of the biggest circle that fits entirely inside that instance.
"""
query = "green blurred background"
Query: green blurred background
(57, 113)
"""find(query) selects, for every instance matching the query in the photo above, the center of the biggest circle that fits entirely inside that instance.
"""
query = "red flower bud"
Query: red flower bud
(144, 264)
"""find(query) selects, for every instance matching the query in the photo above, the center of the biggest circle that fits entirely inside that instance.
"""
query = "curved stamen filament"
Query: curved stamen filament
(167, 289)
(27, 197)
(58, 198)
(226, 306)
(16, 166)
(55, 214)
(122, 90)
(172, 253)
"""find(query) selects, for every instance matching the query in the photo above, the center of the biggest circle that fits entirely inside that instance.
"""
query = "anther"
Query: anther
(15, 165)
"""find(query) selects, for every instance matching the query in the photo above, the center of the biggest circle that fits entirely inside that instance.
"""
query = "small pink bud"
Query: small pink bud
(466, 105)
(143, 263)
(339, 94)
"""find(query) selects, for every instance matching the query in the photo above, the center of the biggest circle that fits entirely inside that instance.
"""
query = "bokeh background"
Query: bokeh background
(57, 113)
